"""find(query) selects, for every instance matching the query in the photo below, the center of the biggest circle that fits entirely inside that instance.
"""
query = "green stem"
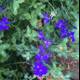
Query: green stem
(15, 63)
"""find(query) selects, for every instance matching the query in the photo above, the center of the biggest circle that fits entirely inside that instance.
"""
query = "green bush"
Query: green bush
(20, 43)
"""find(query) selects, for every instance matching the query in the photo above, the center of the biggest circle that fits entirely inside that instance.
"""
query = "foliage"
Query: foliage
(20, 43)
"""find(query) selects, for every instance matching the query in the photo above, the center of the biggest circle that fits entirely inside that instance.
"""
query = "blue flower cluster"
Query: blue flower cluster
(71, 36)
(4, 24)
(61, 24)
(46, 18)
(46, 42)
(42, 57)
(40, 69)
(64, 32)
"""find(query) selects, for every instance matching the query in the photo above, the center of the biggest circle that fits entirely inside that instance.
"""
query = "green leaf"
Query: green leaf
(3, 54)
(25, 16)
(77, 25)
(31, 34)
(16, 5)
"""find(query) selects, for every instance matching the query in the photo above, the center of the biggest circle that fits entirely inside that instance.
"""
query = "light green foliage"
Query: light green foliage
(31, 34)
(3, 55)
(16, 4)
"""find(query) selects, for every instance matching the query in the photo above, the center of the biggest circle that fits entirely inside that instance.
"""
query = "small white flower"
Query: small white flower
(53, 13)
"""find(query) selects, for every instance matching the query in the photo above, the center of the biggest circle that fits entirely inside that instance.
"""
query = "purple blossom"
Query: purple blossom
(41, 35)
(47, 43)
(43, 57)
(63, 33)
(4, 24)
(42, 49)
(46, 18)
(40, 69)
(5, 20)
(61, 24)
(71, 36)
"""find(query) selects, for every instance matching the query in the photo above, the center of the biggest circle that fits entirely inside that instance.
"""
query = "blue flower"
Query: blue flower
(45, 57)
(42, 49)
(61, 24)
(41, 35)
(4, 24)
(47, 43)
(46, 18)
(63, 33)
(40, 69)
(71, 36)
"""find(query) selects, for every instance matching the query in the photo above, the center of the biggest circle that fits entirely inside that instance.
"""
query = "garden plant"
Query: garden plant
(39, 39)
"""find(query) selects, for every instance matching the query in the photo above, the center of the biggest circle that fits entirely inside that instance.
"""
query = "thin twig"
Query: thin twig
(64, 10)
(51, 6)
(15, 63)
